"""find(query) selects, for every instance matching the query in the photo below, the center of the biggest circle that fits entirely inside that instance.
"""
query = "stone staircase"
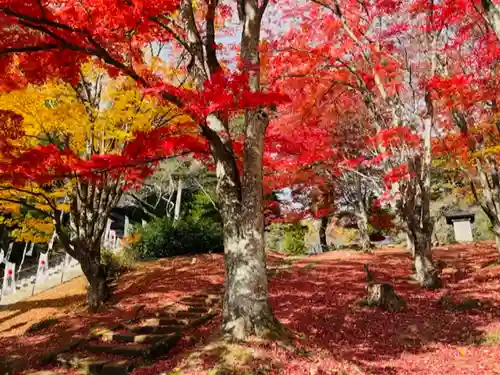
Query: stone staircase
(118, 350)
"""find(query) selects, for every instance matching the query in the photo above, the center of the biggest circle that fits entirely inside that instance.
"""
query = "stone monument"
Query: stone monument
(462, 227)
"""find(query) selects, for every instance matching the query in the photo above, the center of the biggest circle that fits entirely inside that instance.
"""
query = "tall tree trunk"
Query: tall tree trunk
(322, 233)
(82, 235)
(427, 274)
(362, 216)
(247, 311)
(362, 221)
(415, 213)
(178, 200)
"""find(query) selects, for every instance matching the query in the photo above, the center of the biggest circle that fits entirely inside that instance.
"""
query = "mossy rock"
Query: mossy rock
(44, 324)
(470, 303)
(448, 302)
(489, 339)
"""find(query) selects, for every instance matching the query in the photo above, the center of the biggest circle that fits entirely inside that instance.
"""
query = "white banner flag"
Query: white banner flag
(9, 279)
(30, 251)
(42, 273)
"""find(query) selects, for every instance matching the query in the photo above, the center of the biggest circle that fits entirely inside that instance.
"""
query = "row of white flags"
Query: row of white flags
(110, 241)
(42, 273)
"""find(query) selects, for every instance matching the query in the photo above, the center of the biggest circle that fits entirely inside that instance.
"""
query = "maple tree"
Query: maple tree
(66, 131)
(339, 132)
(48, 38)
(384, 69)
(381, 56)
(466, 95)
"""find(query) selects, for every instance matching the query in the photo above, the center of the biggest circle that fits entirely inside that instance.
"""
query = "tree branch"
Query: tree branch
(30, 206)
(41, 47)
(176, 36)
(41, 21)
(212, 62)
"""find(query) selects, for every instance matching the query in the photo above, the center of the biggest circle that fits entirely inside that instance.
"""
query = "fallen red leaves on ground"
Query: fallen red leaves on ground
(317, 298)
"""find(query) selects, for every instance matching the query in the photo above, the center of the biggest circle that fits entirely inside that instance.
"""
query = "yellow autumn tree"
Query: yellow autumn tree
(98, 116)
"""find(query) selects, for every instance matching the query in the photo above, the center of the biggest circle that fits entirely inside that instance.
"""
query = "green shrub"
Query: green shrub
(201, 208)
(286, 238)
(118, 262)
(163, 237)
(489, 339)
(482, 229)
(293, 238)
(274, 236)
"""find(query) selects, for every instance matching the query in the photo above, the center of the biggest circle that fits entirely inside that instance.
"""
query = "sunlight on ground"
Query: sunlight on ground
(62, 299)
(454, 330)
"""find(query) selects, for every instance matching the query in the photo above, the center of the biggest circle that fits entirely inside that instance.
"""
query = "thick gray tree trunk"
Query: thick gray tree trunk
(427, 274)
(247, 311)
(416, 214)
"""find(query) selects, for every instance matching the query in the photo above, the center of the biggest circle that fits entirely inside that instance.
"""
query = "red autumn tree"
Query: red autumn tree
(63, 161)
(291, 163)
(337, 129)
(383, 53)
(465, 90)
(50, 38)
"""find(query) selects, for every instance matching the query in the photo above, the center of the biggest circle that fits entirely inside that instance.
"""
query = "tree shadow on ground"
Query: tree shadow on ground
(21, 307)
(314, 296)
(322, 305)
(157, 285)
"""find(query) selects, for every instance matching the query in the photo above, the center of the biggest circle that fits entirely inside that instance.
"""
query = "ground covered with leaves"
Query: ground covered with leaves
(454, 330)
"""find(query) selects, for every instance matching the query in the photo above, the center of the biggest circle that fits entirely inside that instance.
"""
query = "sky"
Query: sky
(274, 25)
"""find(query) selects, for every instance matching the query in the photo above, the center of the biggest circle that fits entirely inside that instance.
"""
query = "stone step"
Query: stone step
(178, 318)
(155, 330)
(202, 320)
(193, 302)
(207, 299)
(87, 365)
(162, 321)
(96, 366)
(99, 331)
(131, 337)
(133, 350)
(200, 295)
(153, 326)
(163, 346)
(181, 315)
(117, 368)
(198, 309)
